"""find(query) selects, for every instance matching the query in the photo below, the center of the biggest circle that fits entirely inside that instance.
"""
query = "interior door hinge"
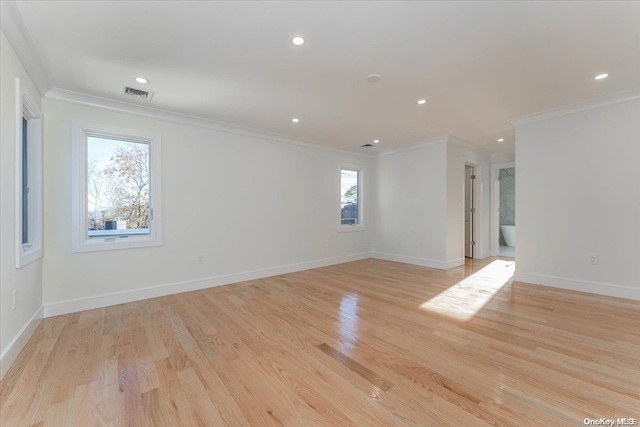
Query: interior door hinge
(472, 210)
(473, 177)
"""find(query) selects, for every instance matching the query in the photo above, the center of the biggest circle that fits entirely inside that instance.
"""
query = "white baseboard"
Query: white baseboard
(424, 262)
(13, 349)
(483, 255)
(105, 300)
(599, 288)
(455, 263)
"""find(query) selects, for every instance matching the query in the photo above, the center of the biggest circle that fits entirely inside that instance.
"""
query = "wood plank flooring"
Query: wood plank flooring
(368, 343)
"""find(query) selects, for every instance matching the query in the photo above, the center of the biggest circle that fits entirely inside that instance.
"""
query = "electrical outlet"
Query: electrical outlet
(13, 300)
(200, 259)
(593, 259)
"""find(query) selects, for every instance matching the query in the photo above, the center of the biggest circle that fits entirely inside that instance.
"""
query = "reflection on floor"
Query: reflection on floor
(507, 251)
(347, 344)
(466, 298)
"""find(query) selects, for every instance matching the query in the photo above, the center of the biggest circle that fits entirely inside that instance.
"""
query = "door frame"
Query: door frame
(495, 204)
(477, 196)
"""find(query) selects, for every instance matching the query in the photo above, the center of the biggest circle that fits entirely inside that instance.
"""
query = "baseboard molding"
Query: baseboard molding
(423, 262)
(105, 300)
(11, 352)
(483, 255)
(579, 285)
(455, 263)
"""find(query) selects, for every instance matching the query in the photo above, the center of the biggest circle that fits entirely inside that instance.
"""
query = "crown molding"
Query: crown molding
(576, 108)
(14, 29)
(63, 95)
(469, 145)
(416, 145)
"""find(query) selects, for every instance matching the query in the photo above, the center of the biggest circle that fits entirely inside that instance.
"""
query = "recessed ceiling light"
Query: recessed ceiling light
(501, 140)
(602, 76)
(298, 40)
(375, 141)
(422, 102)
(142, 80)
(295, 120)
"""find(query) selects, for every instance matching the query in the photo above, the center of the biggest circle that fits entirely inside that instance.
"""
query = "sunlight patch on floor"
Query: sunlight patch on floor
(466, 298)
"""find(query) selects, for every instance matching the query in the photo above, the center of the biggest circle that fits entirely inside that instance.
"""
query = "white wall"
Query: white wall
(410, 205)
(503, 157)
(458, 155)
(26, 281)
(419, 193)
(578, 192)
(252, 206)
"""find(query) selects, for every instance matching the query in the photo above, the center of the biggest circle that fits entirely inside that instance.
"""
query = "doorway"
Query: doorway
(469, 210)
(503, 224)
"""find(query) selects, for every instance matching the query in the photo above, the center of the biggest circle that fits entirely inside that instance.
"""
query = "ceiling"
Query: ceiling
(478, 64)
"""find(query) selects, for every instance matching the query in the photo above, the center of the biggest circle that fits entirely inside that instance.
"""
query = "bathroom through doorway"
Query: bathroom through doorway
(503, 230)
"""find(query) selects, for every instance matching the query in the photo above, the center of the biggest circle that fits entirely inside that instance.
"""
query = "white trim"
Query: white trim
(599, 288)
(80, 304)
(576, 108)
(495, 205)
(469, 145)
(28, 108)
(423, 262)
(453, 263)
(417, 145)
(479, 195)
(13, 349)
(71, 97)
(439, 140)
(483, 255)
(349, 228)
(17, 35)
(503, 157)
(79, 240)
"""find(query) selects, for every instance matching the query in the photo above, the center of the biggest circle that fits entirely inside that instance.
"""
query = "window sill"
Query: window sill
(348, 228)
(28, 256)
(99, 244)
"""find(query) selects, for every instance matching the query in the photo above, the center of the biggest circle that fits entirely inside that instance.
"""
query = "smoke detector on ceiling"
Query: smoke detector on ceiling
(373, 78)
(142, 94)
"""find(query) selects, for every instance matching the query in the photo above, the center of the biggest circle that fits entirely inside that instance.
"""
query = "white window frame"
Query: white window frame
(27, 107)
(81, 242)
(360, 225)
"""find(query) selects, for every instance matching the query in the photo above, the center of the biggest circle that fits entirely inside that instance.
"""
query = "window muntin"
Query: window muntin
(350, 199)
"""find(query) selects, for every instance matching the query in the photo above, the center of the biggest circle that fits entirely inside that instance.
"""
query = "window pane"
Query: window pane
(25, 181)
(349, 197)
(117, 187)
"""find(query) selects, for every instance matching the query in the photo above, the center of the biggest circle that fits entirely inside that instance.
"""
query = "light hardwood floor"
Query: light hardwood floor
(368, 343)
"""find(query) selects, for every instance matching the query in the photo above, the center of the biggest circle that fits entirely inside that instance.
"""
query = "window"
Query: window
(350, 198)
(28, 179)
(25, 181)
(117, 189)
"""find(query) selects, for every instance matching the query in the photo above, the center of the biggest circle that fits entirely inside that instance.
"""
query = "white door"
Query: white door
(469, 210)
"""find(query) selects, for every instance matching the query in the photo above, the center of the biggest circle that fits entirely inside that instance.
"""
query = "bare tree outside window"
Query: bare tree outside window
(117, 187)
(349, 200)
